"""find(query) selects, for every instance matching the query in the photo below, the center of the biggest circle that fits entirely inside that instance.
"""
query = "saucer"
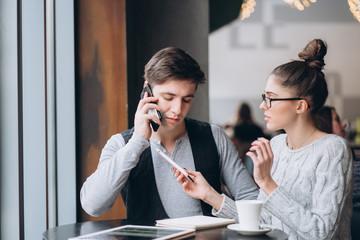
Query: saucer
(247, 232)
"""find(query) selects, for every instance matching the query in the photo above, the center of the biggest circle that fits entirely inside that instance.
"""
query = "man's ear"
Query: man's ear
(302, 106)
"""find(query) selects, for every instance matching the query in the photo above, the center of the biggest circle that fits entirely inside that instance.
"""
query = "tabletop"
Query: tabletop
(222, 233)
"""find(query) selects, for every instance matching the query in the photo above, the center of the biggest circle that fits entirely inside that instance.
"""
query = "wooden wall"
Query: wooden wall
(101, 86)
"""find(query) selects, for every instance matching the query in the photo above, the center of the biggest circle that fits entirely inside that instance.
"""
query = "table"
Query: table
(76, 229)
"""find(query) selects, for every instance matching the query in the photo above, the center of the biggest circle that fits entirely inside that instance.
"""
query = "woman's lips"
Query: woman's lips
(266, 118)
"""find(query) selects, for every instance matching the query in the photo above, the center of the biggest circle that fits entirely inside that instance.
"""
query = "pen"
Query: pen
(182, 170)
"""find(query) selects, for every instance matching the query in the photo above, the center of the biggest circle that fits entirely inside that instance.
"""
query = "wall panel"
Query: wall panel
(101, 86)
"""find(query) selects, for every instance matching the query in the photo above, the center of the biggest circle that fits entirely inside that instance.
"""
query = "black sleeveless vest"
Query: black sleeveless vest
(140, 193)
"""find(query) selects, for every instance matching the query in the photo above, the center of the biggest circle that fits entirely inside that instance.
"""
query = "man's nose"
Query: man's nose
(176, 107)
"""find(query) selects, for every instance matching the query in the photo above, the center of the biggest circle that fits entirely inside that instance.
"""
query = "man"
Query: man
(130, 165)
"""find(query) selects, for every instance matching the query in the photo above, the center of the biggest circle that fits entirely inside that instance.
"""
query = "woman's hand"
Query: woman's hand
(200, 188)
(142, 119)
(263, 161)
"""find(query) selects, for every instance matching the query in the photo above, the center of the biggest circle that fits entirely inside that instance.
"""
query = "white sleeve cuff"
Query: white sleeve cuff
(227, 209)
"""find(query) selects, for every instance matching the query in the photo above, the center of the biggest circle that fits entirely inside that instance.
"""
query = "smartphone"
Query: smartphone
(155, 112)
(174, 164)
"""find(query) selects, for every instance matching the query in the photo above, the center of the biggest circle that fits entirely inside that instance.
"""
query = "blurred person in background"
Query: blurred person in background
(245, 132)
(327, 120)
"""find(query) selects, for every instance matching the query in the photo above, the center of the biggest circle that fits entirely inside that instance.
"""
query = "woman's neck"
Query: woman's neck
(302, 136)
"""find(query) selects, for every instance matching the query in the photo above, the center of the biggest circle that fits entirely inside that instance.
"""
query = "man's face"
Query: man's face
(175, 99)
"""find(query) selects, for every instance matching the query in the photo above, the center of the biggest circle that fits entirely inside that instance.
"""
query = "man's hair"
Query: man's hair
(173, 63)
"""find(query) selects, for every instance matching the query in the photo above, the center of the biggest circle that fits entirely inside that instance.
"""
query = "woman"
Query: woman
(305, 175)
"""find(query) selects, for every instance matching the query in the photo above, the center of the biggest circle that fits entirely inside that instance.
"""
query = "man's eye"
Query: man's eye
(167, 98)
(186, 100)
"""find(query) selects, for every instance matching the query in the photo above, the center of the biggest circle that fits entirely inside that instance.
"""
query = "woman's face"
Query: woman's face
(338, 126)
(281, 114)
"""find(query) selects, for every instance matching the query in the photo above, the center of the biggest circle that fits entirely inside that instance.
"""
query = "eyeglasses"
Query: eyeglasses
(268, 100)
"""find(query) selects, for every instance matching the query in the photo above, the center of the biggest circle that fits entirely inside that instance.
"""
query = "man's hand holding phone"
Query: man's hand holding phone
(147, 89)
(142, 118)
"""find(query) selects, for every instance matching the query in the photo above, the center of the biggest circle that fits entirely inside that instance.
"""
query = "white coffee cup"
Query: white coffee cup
(249, 213)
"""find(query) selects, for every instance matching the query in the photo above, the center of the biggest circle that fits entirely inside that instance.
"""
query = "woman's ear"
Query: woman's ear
(302, 106)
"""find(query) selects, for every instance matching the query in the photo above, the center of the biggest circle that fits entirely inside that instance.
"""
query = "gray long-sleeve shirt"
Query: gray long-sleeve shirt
(101, 189)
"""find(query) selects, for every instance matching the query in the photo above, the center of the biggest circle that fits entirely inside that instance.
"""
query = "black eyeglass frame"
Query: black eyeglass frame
(264, 97)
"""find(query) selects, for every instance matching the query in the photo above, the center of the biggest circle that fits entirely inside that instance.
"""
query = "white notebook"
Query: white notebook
(195, 222)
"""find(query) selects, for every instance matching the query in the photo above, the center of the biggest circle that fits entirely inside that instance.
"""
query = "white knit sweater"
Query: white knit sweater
(313, 200)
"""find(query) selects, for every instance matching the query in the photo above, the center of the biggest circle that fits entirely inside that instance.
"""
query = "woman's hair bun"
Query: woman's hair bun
(313, 53)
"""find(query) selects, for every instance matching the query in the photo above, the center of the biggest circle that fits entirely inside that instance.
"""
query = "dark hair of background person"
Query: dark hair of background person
(245, 129)
(173, 63)
(306, 77)
(244, 115)
(323, 119)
